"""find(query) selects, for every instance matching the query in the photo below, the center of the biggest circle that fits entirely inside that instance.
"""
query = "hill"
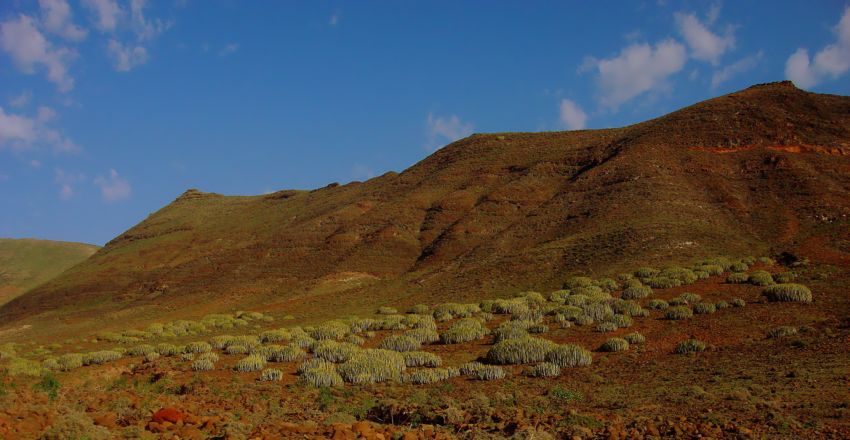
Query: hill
(760, 171)
(26, 263)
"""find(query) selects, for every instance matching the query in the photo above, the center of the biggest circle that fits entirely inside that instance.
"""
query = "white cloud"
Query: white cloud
(28, 47)
(639, 68)
(126, 57)
(572, 116)
(228, 49)
(113, 187)
(145, 29)
(829, 63)
(67, 181)
(21, 132)
(107, 13)
(705, 45)
(21, 100)
(56, 16)
(446, 130)
(334, 20)
(738, 67)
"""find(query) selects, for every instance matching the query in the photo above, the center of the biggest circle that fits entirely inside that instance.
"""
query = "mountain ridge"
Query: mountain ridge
(493, 213)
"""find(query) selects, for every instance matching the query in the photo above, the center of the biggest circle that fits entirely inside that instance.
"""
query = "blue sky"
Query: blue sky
(109, 109)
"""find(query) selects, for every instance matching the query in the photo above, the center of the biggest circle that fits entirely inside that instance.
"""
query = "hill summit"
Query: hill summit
(759, 171)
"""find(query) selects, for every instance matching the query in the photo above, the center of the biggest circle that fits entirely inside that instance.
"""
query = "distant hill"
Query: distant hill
(26, 263)
(755, 172)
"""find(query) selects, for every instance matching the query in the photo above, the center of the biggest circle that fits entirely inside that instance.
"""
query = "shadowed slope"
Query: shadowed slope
(758, 171)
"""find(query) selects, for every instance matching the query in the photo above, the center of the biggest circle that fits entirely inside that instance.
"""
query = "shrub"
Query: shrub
(187, 356)
(739, 266)
(690, 346)
(738, 302)
(607, 326)
(738, 278)
(510, 330)
(575, 282)
(168, 349)
(100, 357)
(69, 361)
(635, 338)
(576, 300)
(559, 296)
(607, 284)
(271, 374)
(400, 343)
(584, 320)
(50, 364)
(203, 365)
(784, 277)
(690, 298)
(626, 307)
(538, 328)
(681, 274)
(781, 332)
(569, 355)
(197, 347)
(140, 350)
(333, 351)
(520, 351)
(621, 321)
(252, 362)
(766, 260)
(421, 359)
(237, 349)
(788, 292)
(420, 309)
(277, 335)
(712, 269)
(74, 425)
(678, 312)
(329, 330)
(646, 272)
(464, 330)
(657, 304)
(312, 363)
(286, 353)
(321, 375)
(488, 372)
(423, 335)
(426, 376)
(354, 339)
(598, 311)
(663, 282)
(614, 345)
(636, 292)
(372, 366)
(387, 311)
(721, 305)
(704, 308)
(24, 367)
(209, 356)
(761, 278)
(544, 369)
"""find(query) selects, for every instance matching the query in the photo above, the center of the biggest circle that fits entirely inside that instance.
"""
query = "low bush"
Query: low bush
(420, 309)
(203, 365)
(544, 369)
(271, 374)
(761, 278)
(101, 357)
(576, 282)
(400, 343)
(721, 305)
(788, 292)
(277, 335)
(69, 361)
(704, 308)
(636, 292)
(690, 346)
(569, 355)
(615, 345)
(738, 302)
(689, 297)
(657, 304)
(464, 330)
(387, 311)
(781, 332)
(423, 335)
(678, 312)
(320, 375)
(520, 351)
(426, 376)
(662, 282)
(785, 277)
(607, 284)
(605, 327)
(738, 278)
(421, 359)
(739, 266)
(252, 362)
(488, 372)
(168, 349)
(511, 330)
(333, 351)
(559, 296)
(237, 349)
(212, 357)
(621, 321)
(197, 347)
(766, 261)
(356, 340)
(635, 338)
(538, 328)
(373, 366)
(23, 367)
(646, 272)
(329, 330)
(140, 350)
(469, 368)
(187, 356)
(598, 311)
(626, 307)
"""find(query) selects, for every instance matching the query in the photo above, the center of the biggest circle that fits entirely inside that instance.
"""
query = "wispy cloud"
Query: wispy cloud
(57, 18)
(738, 67)
(334, 20)
(572, 116)
(30, 49)
(67, 181)
(443, 130)
(228, 49)
(21, 100)
(126, 57)
(113, 187)
(704, 44)
(20, 132)
(830, 62)
(107, 13)
(637, 69)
